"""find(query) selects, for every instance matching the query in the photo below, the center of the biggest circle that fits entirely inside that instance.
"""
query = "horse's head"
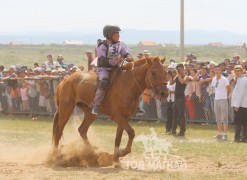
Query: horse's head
(156, 77)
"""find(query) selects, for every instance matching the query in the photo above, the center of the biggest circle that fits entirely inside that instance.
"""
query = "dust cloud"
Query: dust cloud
(72, 151)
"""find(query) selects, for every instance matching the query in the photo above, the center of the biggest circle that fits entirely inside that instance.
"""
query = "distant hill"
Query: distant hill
(129, 36)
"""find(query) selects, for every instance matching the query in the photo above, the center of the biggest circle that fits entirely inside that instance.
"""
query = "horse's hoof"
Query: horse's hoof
(116, 165)
(116, 158)
(121, 152)
(94, 147)
(91, 147)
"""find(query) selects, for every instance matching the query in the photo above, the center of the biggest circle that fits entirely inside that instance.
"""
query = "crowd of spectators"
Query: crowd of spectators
(31, 89)
(199, 93)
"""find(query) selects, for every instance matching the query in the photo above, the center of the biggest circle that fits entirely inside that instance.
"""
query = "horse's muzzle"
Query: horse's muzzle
(162, 95)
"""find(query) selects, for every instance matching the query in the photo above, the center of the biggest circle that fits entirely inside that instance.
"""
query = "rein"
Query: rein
(133, 71)
(152, 85)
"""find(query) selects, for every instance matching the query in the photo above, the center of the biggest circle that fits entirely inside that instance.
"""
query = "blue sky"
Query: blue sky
(92, 15)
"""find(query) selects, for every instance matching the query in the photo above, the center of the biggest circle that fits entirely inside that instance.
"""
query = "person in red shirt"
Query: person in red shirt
(90, 59)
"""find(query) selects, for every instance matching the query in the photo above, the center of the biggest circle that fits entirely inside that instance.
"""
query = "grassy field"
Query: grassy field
(28, 55)
(23, 143)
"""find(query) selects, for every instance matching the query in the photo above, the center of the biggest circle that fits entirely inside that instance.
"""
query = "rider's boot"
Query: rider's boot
(95, 109)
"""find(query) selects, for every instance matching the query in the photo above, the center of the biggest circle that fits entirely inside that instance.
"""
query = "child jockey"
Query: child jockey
(110, 54)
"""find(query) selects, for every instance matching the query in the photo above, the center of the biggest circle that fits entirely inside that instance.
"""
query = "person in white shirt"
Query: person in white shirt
(24, 96)
(222, 91)
(170, 102)
(50, 63)
(239, 104)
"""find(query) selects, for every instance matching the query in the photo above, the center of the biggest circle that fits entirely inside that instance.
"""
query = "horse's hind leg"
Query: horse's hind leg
(60, 119)
(88, 119)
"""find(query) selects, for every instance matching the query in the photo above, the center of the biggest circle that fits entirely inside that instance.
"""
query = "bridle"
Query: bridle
(149, 80)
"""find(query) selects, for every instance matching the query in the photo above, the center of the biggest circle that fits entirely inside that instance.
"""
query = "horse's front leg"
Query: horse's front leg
(131, 133)
(118, 139)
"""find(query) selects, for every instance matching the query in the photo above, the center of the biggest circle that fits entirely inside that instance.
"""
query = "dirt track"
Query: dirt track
(73, 162)
(26, 154)
(98, 166)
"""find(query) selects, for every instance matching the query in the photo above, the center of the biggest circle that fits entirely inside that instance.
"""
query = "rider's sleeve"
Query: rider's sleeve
(101, 51)
(124, 50)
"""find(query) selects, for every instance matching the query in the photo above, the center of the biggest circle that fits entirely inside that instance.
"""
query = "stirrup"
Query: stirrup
(95, 110)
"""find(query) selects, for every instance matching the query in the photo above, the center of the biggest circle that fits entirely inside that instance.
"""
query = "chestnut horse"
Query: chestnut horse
(120, 102)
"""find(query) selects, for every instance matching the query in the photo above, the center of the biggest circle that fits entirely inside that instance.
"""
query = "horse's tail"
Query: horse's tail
(55, 127)
(56, 115)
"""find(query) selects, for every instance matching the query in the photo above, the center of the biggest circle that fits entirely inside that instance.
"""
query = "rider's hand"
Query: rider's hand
(129, 58)
(118, 61)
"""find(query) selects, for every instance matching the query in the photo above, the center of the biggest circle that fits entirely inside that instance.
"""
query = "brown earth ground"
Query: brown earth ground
(22, 160)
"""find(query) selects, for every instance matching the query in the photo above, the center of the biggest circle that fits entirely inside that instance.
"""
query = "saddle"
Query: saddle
(113, 75)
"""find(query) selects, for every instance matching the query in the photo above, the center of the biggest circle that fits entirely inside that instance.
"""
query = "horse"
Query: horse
(120, 102)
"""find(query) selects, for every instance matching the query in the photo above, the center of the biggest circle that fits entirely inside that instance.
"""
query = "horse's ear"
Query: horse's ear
(126, 66)
(162, 60)
(149, 60)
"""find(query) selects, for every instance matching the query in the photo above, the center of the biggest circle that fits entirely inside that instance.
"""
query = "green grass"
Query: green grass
(206, 158)
(28, 55)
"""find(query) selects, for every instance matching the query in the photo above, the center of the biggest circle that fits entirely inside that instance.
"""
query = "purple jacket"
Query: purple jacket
(115, 51)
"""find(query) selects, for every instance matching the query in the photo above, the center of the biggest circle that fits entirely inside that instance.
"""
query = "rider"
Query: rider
(110, 54)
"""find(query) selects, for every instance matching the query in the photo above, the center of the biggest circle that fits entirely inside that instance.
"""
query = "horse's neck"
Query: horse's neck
(138, 76)
(132, 81)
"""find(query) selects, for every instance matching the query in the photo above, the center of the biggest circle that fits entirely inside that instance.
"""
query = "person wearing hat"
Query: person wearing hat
(239, 104)
(90, 59)
(190, 58)
(54, 71)
(18, 72)
(60, 61)
(12, 69)
(68, 66)
(5, 71)
(230, 77)
(58, 66)
(236, 57)
(146, 53)
(111, 52)
(48, 72)
(140, 55)
(211, 65)
(37, 72)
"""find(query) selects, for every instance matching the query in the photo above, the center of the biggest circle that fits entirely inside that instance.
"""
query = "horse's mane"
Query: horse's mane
(141, 61)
